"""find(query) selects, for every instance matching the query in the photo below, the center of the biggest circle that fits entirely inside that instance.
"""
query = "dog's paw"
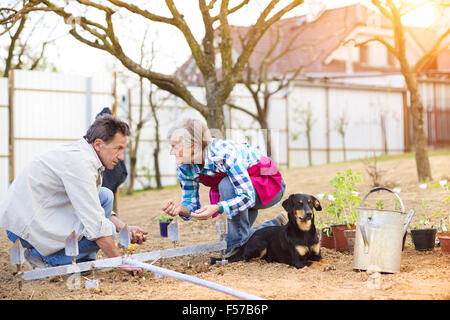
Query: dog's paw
(316, 265)
(328, 267)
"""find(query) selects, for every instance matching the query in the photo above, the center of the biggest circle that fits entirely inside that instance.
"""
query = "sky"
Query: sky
(71, 56)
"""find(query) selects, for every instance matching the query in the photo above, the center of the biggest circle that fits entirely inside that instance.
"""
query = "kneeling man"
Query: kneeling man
(60, 191)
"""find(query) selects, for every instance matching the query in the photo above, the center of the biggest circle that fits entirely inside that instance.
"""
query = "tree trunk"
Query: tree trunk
(215, 120)
(343, 147)
(420, 137)
(383, 133)
(262, 120)
(132, 173)
(134, 145)
(156, 164)
(308, 141)
(157, 148)
(214, 116)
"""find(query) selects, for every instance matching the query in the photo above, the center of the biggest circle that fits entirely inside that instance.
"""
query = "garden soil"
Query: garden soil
(423, 274)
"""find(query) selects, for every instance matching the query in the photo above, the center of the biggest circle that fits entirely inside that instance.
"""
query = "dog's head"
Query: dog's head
(300, 207)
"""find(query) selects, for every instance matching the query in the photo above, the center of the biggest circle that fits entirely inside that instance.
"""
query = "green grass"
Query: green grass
(408, 155)
(124, 194)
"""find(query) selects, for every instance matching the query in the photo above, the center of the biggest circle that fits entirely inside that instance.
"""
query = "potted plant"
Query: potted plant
(424, 233)
(164, 219)
(443, 233)
(342, 208)
(444, 237)
(325, 234)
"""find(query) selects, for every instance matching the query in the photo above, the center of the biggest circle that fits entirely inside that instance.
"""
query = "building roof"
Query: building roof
(315, 40)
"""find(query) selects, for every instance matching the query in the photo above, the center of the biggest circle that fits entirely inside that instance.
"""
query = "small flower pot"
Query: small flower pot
(444, 240)
(423, 239)
(163, 228)
(340, 242)
(350, 236)
(326, 241)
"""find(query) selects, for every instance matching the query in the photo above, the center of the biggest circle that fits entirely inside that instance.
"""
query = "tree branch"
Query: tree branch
(146, 14)
(375, 38)
(12, 45)
(232, 105)
(432, 52)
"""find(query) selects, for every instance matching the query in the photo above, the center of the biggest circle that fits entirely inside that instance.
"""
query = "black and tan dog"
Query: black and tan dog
(296, 243)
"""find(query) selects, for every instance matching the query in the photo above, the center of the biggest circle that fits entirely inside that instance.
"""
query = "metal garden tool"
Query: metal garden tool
(172, 232)
(221, 230)
(124, 239)
(89, 284)
(156, 274)
(17, 258)
(71, 246)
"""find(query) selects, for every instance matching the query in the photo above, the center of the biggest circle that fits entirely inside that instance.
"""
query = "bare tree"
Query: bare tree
(144, 117)
(394, 11)
(22, 52)
(340, 125)
(262, 83)
(156, 150)
(102, 35)
(304, 119)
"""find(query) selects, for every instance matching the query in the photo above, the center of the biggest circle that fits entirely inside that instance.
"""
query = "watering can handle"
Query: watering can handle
(387, 189)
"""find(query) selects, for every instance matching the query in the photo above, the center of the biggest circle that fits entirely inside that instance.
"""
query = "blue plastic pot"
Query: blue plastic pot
(163, 228)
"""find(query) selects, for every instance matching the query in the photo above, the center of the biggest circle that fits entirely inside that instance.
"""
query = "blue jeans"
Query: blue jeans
(240, 225)
(87, 249)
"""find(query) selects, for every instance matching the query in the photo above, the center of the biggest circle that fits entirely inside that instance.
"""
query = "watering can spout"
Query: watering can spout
(408, 220)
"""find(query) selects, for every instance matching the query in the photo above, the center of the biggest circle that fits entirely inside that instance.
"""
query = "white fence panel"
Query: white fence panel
(4, 137)
(304, 102)
(168, 112)
(52, 108)
(369, 116)
(373, 117)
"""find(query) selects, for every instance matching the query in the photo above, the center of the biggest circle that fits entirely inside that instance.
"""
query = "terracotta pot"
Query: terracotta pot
(340, 242)
(350, 236)
(423, 239)
(444, 240)
(325, 240)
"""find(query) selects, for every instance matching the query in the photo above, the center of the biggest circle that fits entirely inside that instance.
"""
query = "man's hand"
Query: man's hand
(109, 248)
(137, 235)
(131, 270)
(205, 212)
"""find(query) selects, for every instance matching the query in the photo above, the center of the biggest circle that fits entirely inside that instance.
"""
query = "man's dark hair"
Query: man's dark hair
(105, 127)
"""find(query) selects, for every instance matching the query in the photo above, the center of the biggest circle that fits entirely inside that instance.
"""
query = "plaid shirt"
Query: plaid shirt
(228, 157)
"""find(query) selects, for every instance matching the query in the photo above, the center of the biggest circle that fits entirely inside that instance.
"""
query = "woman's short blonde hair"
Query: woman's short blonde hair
(191, 132)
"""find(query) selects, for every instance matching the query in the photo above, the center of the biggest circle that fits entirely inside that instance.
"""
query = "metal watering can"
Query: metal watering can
(379, 237)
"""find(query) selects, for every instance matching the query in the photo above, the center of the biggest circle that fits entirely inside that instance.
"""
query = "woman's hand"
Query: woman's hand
(205, 212)
(173, 209)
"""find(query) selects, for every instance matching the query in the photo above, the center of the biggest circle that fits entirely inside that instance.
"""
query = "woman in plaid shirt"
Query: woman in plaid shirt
(241, 181)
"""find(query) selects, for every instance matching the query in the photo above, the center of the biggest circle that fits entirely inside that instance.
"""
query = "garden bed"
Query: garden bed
(423, 275)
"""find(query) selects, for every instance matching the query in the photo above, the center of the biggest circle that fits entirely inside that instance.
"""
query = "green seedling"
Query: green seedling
(380, 205)
(164, 217)
(345, 199)
(425, 220)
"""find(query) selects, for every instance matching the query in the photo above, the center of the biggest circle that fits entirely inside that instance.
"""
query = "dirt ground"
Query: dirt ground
(423, 275)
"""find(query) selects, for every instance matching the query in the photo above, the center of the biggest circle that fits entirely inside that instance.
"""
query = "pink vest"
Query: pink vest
(264, 175)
